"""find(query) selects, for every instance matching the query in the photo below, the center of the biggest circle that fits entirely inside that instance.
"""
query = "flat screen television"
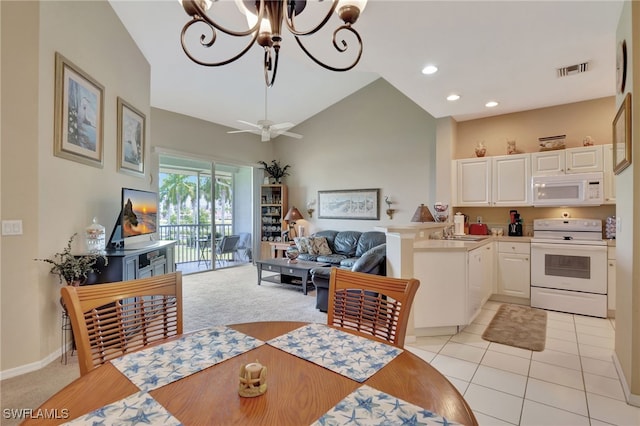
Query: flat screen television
(139, 214)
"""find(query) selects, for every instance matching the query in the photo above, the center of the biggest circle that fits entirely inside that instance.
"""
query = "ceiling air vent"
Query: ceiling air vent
(573, 69)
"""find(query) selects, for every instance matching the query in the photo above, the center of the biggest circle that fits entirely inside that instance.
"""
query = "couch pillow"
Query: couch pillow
(302, 243)
(319, 245)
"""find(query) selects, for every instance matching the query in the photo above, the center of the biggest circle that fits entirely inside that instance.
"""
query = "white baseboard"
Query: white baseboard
(632, 399)
(28, 368)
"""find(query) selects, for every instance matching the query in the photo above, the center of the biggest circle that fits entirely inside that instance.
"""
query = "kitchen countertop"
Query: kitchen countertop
(456, 245)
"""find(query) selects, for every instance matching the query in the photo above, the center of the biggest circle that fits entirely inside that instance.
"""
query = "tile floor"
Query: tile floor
(572, 382)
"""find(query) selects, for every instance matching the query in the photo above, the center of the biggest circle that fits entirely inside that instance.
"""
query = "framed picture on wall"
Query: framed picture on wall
(349, 204)
(78, 114)
(622, 136)
(131, 131)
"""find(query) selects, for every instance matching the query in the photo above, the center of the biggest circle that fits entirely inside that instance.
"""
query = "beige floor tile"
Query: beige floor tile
(558, 396)
(561, 345)
(462, 351)
(604, 386)
(470, 339)
(453, 367)
(562, 359)
(536, 414)
(599, 367)
(510, 350)
(494, 403)
(596, 352)
(501, 380)
(558, 375)
(511, 363)
(612, 411)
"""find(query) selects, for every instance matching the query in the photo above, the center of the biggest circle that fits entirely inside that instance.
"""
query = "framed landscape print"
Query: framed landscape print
(131, 131)
(78, 114)
(622, 136)
(349, 204)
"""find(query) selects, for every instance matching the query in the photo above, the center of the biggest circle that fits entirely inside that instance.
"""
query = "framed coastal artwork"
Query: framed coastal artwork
(131, 131)
(78, 114)
(349, 204)
(622, 136)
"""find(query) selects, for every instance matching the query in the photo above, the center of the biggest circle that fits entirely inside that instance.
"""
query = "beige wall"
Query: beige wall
(55, 197)
(375, 138)
(628, 210)
(576, 120)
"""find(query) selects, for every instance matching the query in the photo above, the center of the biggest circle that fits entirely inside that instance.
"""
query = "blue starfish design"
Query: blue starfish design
(140, 417)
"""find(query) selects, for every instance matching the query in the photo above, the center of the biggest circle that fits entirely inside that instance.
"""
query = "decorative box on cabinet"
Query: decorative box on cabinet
(273, 209)
(123, 265)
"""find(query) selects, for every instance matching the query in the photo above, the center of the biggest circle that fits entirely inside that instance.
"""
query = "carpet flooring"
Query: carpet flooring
(519, 326)
(225, 296)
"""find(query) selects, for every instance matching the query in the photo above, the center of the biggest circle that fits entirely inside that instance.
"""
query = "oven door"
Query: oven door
(569, 267)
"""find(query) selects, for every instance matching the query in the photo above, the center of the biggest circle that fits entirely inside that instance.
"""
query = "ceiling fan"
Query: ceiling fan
(268, 129)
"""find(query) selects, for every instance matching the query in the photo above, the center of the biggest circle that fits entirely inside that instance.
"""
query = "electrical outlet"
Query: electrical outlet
(479, 219)
(12, 227)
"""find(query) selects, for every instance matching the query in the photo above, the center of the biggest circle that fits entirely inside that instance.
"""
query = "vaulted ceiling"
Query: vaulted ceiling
(507, 51)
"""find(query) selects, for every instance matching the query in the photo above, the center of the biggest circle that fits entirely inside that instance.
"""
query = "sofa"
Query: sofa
(353, 250)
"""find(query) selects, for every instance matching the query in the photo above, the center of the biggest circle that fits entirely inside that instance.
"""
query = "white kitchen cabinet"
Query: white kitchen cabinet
(548, 163)
(473, 179)
(514, 269)
(454, 285)
(511, 180)
(609, 175)
(611, 278)
(586, 159)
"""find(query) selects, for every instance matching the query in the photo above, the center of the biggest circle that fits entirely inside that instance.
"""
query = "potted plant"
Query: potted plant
(275, 170)
(73, 269)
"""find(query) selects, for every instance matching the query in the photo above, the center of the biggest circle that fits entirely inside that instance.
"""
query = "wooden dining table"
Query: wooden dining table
(299, 392)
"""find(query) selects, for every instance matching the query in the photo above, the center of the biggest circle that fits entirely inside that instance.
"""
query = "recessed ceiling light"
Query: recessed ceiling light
(491, 104)
(429, 69)
(453, 97)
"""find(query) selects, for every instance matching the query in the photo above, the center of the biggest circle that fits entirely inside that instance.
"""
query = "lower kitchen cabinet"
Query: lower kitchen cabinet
(514, 269)
(454, 285)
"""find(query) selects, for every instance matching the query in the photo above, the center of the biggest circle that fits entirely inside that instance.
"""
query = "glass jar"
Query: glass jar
(95, 237)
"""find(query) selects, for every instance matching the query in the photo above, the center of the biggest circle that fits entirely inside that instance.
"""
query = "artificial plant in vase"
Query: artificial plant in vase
(73, 269)
(275, 170)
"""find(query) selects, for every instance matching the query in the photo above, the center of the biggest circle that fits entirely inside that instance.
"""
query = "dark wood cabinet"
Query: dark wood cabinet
(128, 264)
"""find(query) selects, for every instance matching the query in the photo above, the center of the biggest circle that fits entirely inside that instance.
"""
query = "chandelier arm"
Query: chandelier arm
(292, 28)
(340, 49)
(197, 13)
(209, 43)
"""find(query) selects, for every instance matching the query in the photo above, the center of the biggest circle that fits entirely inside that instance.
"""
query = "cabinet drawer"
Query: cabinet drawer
(513, 247)
(290, 271)
(270, 268)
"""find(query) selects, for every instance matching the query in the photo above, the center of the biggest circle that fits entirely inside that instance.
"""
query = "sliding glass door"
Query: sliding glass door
(201, 203)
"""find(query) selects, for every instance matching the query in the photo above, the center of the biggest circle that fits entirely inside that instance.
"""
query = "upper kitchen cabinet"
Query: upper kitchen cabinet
(473, 181)
(493, 181)
(585, 159)
(511, 180)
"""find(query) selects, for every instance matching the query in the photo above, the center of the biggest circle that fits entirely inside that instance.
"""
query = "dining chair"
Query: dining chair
(227, 245)
(112, 319)
(369, 305)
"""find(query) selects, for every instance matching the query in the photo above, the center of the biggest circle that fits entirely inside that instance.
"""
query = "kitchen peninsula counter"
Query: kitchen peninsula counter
(457, 245)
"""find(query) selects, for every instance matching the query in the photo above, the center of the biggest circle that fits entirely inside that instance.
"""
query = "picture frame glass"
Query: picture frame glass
(131, 139)
(349, 204)
(622, 136)
(78, 115)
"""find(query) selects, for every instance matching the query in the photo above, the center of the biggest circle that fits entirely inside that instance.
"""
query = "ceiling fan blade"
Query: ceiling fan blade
(291, 135)
(282, 126)
(241, 131)
(250, 124)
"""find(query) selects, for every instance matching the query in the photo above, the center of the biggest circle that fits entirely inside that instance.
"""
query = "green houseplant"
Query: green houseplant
(275, 170)
(73, 269)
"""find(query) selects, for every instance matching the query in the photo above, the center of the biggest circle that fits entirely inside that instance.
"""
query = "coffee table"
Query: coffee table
(288, 271)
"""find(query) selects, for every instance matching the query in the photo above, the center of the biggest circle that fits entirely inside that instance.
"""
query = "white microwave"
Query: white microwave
(580, 189)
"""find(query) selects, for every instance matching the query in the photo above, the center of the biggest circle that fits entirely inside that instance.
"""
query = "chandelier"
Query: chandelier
(265, 18)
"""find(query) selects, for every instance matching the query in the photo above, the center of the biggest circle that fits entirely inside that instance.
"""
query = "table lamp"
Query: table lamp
(292, 216)
(422, 214)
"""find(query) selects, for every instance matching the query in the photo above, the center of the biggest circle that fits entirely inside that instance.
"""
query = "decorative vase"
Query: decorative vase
(292, 254)
(511, 147)
(481, 149)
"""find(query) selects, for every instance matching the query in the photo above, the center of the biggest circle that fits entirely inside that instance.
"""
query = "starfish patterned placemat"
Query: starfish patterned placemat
(139, 408)
(355, 357)
(369, 406)
(159, 365)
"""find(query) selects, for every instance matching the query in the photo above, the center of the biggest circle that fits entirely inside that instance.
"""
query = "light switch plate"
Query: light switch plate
(11, 227)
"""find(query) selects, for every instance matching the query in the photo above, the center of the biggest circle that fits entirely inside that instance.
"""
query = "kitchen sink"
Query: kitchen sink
(467, 237)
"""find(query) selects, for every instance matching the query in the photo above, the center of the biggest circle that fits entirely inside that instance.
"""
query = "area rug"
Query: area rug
(519, 326)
